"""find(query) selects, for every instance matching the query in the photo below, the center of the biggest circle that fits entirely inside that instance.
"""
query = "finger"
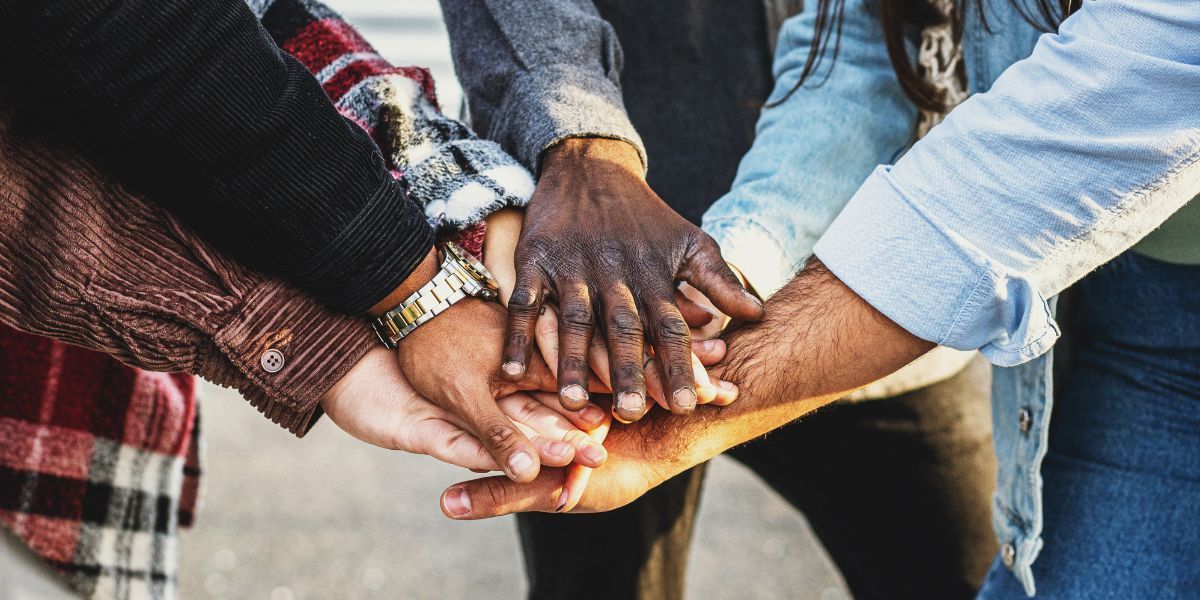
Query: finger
(694, 313)
(503, 440)
(523, 308)
(539, 376)
(626, 347)
(707, 271)
(727, 393)
(495, 496)
(535, 418)
(705, 390)
(709, 352)
(552, 453)
(577, 478)
(573, 488)
(591, 418)
(586, 432)
(598, 358)
(673, 352)
(450, 444)
(575, 325)
(654, 383)
(546, 332)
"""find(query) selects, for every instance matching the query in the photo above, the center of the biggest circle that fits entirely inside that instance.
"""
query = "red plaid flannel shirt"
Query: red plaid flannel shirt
(98, 460)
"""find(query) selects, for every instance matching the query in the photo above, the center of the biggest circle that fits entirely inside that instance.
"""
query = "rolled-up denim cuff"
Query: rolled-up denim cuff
(932, 281)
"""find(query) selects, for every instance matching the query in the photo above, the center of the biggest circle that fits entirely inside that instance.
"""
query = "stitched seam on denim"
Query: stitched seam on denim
(971, 303)
(1123, 207)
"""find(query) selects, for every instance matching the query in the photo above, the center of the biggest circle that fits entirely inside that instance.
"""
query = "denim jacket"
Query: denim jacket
(1074, 146)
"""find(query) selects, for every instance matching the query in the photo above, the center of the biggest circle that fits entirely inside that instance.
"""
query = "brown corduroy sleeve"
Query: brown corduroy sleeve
(84, 261)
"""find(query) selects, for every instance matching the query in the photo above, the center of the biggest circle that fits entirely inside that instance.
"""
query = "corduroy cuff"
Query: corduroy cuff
(289, 351)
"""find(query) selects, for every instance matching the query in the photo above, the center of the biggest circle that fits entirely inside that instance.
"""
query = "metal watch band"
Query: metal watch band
(446, 288)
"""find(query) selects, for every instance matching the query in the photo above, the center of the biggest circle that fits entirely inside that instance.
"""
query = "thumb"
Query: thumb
(496, 496)
(708, 272)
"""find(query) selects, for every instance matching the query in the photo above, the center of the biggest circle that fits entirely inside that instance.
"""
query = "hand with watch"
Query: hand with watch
(448, 334)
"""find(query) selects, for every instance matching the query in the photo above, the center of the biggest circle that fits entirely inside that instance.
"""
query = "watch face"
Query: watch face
(487, 283)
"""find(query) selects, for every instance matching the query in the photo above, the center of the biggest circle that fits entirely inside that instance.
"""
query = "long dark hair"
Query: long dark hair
(896, 16)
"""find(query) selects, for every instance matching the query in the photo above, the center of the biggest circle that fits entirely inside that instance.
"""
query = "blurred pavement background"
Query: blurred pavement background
(330, 518)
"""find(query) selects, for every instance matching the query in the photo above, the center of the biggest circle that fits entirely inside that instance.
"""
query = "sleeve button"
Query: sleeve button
(272, 361)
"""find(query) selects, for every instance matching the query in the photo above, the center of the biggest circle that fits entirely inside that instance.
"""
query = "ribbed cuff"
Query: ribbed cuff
(290, 351)
(373, 255)
(542, 109)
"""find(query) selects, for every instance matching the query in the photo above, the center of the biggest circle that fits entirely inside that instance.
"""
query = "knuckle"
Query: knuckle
(572, 364)
(624, 322)
(631, 373)
(496, 491)
(518, 340)
(577, 314)
(705, 244)
(677, 370)
(672, 327)
(610, 254)
(524, 300)
(535, 249)
(529, 409)
(499, 435)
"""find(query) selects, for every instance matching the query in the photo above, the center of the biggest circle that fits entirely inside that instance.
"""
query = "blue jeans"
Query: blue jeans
(1122, 476)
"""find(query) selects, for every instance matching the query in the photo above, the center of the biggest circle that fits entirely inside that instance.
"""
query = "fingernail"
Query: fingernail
(513, 367)
(562, 501)
(592, 415)
(520, 463)
(708, 345)
(684, 398)
(558, 448)
(574, 393)
(725, 385)
(457, 502)
(594, 452)
(630, 402)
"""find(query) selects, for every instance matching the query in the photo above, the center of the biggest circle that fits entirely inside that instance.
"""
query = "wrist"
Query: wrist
(567, 155)
(420, 276)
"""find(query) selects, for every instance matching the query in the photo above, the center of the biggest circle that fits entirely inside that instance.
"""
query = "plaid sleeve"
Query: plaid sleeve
(457, 178)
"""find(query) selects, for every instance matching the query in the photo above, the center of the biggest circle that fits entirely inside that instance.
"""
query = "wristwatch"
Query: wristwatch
(461, 277)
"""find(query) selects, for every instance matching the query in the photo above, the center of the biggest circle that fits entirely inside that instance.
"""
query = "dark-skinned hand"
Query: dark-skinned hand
(609, 250)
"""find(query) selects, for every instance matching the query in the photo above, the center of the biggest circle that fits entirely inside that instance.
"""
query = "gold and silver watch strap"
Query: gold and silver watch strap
(446, 288)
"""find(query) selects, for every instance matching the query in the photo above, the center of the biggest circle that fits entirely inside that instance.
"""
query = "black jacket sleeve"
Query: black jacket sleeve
(193, 104)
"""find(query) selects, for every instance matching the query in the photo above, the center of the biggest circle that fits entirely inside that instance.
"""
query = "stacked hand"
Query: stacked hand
(608, 250)
(472, 393)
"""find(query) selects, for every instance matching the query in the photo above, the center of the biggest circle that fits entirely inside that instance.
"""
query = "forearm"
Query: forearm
(538, 72)
(818, 342)
(1026, 188)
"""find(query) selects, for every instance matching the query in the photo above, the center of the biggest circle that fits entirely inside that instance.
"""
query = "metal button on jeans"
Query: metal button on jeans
(1008, 554)
(272, 361)
(1025, 420)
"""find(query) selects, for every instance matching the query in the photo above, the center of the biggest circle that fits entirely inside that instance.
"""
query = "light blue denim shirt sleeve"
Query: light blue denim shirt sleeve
(1073, 155)
(813, 150)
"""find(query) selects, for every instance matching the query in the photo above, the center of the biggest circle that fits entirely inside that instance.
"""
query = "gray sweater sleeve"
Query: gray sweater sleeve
(536, 72)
